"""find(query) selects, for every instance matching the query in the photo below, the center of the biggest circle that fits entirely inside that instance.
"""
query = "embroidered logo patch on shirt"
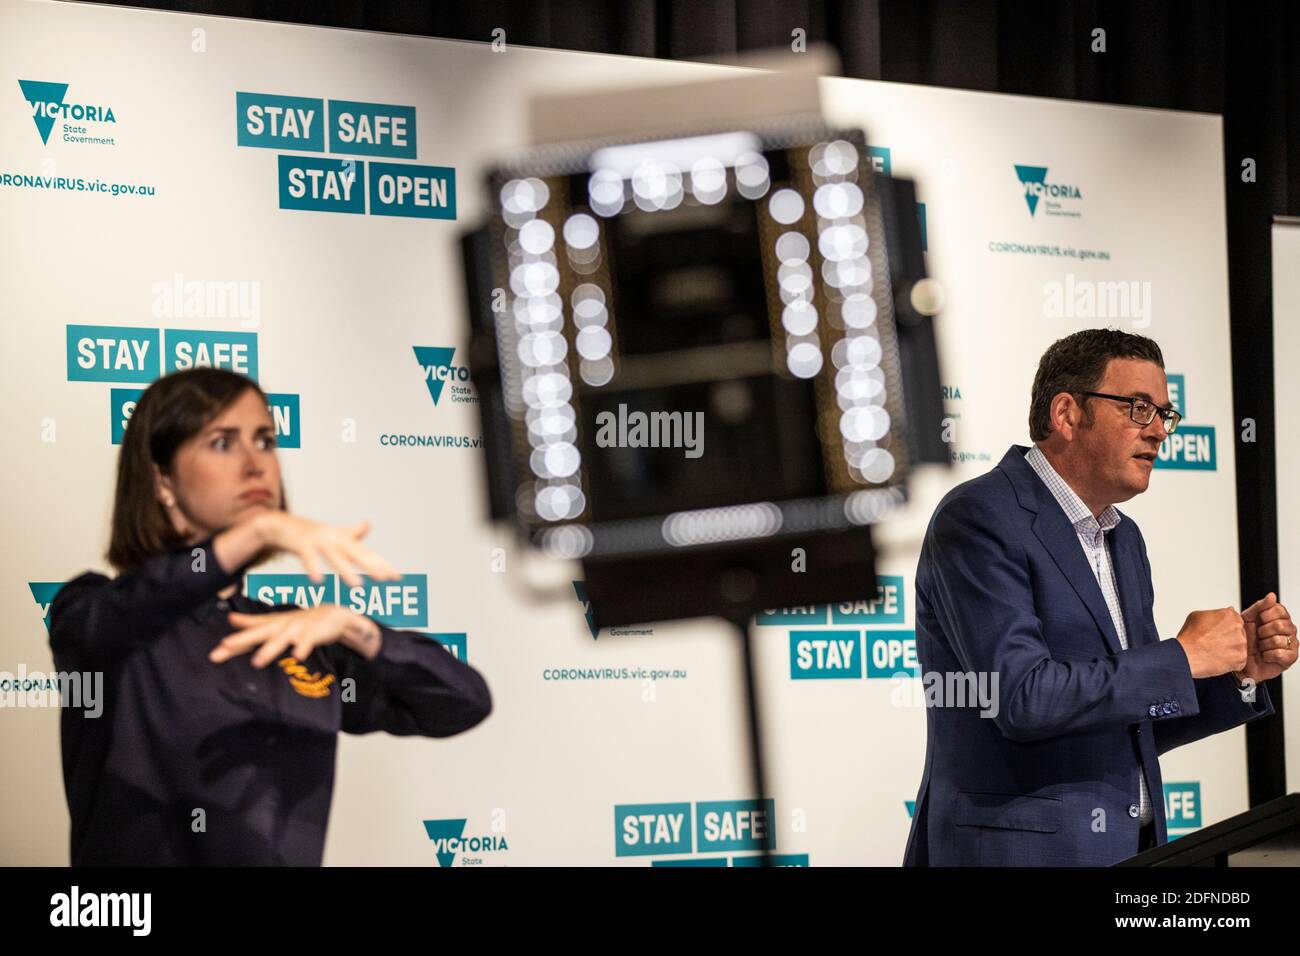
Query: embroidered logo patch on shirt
(305, 682)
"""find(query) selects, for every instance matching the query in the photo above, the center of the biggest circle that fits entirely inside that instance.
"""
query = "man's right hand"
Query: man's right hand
(1214, 642)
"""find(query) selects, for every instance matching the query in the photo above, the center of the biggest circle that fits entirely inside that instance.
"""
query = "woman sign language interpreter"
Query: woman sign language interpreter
(205, 753)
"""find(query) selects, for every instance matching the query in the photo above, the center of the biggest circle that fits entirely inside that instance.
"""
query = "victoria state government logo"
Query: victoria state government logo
(1057, 199)
(439, 372)
(450, 841)
(48, 104)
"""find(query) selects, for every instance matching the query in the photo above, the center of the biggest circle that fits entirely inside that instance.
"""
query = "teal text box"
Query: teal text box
(401, 603)
(272, 121)
(319, 184)
(727, 825)
(286, 414)
(292, 588)
(121, 406)
(823, 655)
(652, 829)
(211, 348)
(891, 653)
(372, 129)
(1183, 805)
(811, 615)
(1191, 448)
(888, 606)
(420, 192)
(112, 353)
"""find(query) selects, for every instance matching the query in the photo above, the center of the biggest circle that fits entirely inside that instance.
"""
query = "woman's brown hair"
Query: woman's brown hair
(172, 410)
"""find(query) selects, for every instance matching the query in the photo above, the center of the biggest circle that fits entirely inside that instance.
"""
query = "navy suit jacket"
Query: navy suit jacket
(1003, 586)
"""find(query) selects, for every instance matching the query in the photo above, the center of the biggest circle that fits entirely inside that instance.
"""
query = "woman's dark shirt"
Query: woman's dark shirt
(196, 763)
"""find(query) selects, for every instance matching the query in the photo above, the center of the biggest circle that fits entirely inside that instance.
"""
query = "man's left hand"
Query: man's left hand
(1271, 644)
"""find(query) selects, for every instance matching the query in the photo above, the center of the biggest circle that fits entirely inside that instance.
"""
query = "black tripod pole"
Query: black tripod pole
(755, 732)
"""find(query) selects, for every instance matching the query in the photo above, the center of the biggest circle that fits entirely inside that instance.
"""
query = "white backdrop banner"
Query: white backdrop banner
(1286, 399)
(286, 201)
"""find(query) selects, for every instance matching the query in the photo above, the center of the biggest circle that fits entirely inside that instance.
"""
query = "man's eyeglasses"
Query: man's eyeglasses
(1143, 412)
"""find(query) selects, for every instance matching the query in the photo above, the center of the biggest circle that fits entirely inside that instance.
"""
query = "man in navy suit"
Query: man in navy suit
(1031, 580)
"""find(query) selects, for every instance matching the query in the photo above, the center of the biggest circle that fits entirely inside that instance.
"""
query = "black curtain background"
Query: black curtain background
(1239, 59)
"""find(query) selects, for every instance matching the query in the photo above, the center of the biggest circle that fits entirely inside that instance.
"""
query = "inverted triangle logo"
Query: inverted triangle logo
(435, 362)
(39, 93)
(1031, 177)
(580, 589)
(43, 592)
(445, 835)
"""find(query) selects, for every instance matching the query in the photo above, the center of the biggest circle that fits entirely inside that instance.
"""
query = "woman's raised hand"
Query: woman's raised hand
(315, 543)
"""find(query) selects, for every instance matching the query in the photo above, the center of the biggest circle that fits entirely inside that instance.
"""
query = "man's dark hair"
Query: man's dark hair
(1077, 363)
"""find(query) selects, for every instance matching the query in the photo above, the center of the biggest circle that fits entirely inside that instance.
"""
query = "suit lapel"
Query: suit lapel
(1062, 543)
(1123, 555)
(1058, 536)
